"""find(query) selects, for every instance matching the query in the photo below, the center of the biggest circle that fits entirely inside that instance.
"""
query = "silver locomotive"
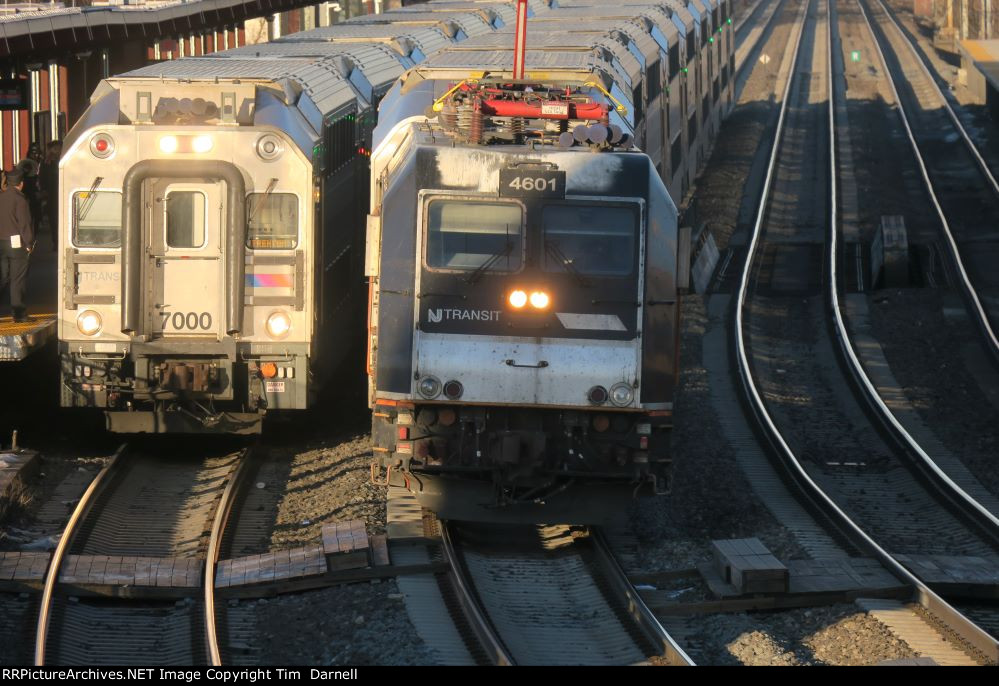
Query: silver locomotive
(526, 264)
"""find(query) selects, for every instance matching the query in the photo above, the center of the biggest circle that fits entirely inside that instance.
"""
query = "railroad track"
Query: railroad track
(833, 452)
(521, 594)
(149, 520)
(962, 187)
(551, 595)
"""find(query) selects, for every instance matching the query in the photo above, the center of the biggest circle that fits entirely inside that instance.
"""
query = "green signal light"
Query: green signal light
(730, 20)
(711, 40)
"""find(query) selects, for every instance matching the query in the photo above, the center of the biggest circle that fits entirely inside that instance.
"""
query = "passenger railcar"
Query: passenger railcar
(525, 260)
(213, 217)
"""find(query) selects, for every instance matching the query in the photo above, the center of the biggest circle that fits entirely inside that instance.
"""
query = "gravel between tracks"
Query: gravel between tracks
(711, 498)
(324, 480)
(835, 635)
(912, 328)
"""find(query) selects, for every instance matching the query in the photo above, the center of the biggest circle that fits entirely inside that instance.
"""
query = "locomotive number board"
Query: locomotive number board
(534, 183)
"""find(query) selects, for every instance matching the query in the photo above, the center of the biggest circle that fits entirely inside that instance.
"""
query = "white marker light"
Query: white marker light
(169, 144)
(202, 144)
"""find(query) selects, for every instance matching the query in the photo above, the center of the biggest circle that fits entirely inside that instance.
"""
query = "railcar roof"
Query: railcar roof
(471, 23)
(212, 67)
(402, 37)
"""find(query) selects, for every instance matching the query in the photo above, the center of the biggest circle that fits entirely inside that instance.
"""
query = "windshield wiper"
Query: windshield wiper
(551, 247)
(263, 201)
(83, 210)
(484, 267)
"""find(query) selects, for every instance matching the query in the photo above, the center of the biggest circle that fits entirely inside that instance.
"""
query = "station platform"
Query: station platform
(19, 340)
(980, 71)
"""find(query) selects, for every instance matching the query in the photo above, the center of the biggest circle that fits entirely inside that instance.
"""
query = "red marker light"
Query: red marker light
(101, 144)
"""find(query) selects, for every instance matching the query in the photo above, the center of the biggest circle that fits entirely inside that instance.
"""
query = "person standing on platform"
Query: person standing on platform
(31, 168)
(17, 240)
(50, 188)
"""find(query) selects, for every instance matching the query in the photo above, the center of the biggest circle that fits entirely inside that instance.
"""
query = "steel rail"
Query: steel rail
(926, 597)
(222, 513)
(55, 563)
(857, 368)
(484, 631)
(967, 286)
(943, 97)
(633, 603)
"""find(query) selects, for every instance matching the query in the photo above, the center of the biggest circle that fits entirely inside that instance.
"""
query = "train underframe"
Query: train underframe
(218, 392)
(521, 463)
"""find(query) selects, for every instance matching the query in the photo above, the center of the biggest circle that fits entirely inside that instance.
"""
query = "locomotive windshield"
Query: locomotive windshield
(97, 219)
(466, 235)
(593, 240)
(272, 221)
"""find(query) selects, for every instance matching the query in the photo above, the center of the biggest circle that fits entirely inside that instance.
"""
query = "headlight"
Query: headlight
(622, 394)
(89, 322)
(202, 144)
(518, 299)
(169, 144)
(269, 147)
(429, 387)
(540, 300)
(278, 325)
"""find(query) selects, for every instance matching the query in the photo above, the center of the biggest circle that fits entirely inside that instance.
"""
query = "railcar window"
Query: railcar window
(185, 219)
(674, 60)
(653, 77)
(472, 235)
(590, 239)
(272, 221)
(97, 219)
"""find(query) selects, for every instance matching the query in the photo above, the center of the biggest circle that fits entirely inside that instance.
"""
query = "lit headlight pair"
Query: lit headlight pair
(538, 299)
(621, 394)
(198, 144)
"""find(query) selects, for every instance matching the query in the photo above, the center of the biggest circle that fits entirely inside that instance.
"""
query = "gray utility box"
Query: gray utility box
(890, 253)
(747, 565)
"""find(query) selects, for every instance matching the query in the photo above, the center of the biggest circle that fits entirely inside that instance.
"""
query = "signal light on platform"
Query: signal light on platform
(518, 299)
